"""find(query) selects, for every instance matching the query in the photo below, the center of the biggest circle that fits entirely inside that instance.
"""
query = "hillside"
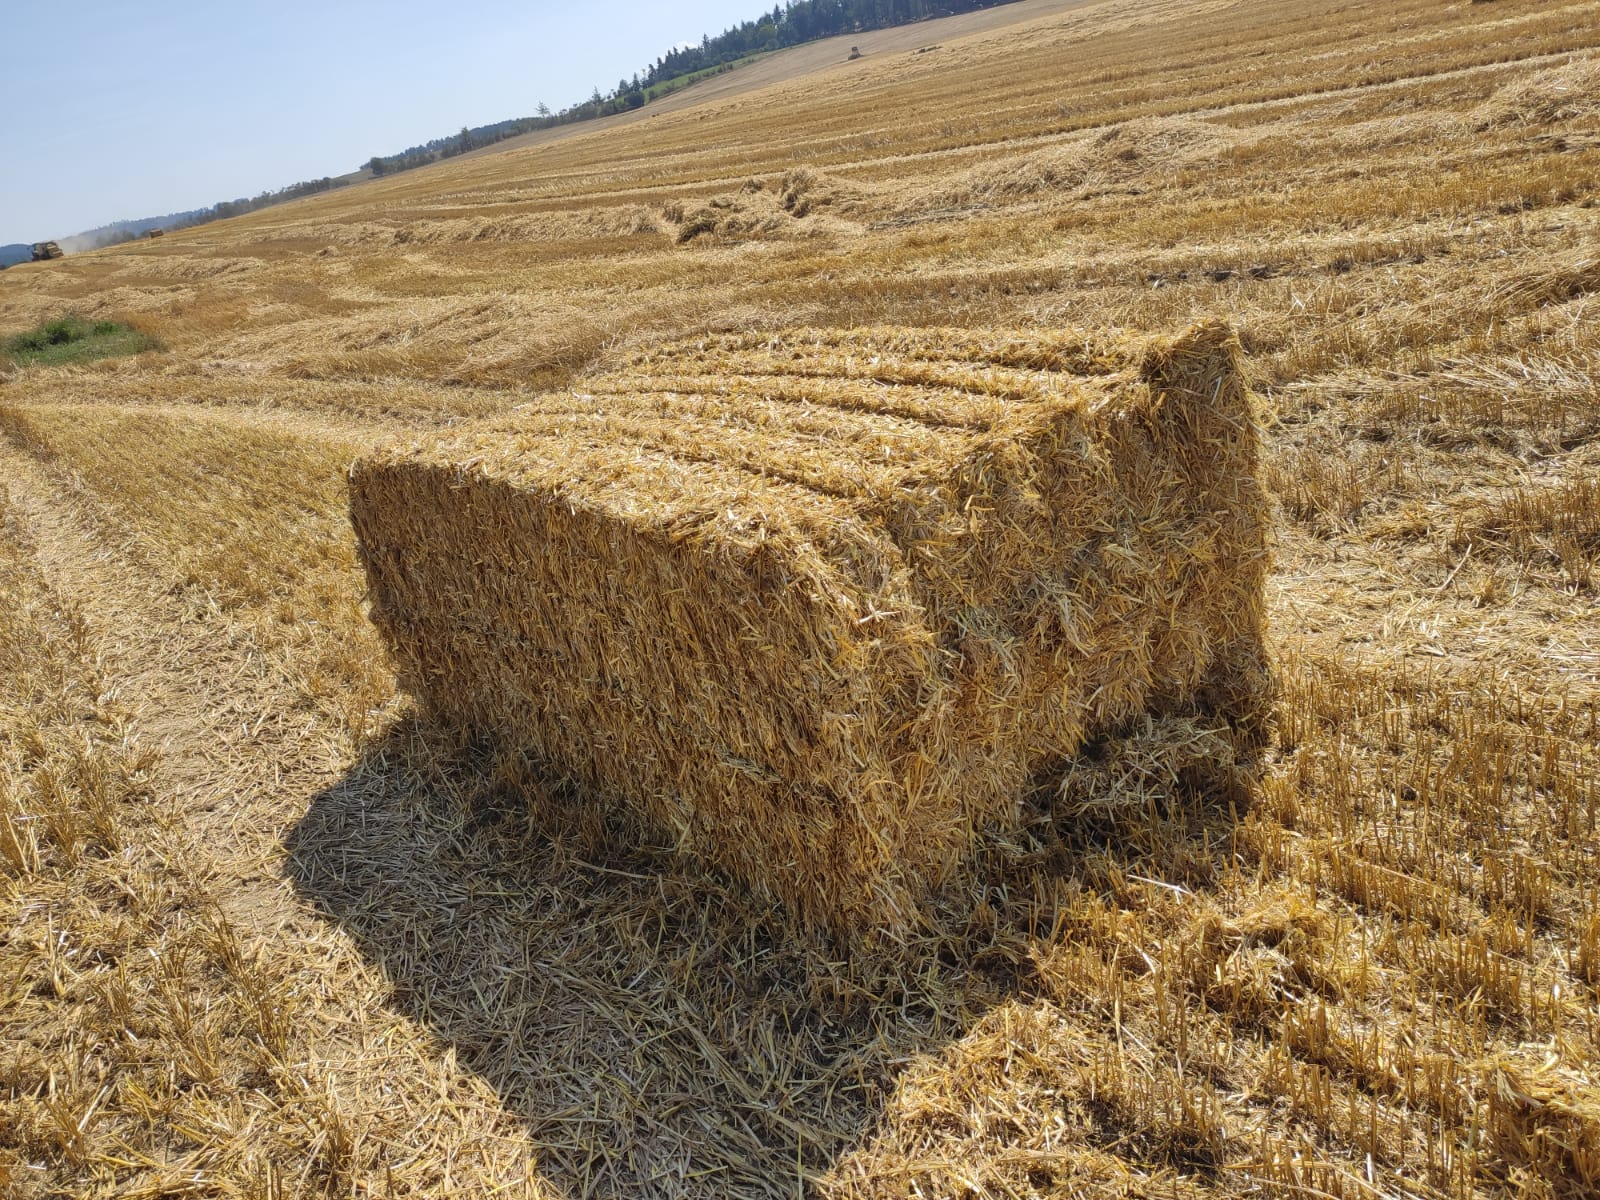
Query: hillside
(266, 933)
(797, 23)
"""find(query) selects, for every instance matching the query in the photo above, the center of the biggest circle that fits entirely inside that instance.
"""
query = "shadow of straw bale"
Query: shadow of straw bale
(658, 1031)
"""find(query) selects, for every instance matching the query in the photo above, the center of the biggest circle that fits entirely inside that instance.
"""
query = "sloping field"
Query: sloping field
(798, 62)
(267, 933)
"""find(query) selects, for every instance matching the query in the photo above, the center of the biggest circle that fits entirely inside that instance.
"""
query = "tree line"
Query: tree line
(786, 25)
(127, 231)
(802, 21)
(235, 208)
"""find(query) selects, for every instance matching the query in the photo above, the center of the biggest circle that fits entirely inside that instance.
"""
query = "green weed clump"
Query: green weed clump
(72, 339)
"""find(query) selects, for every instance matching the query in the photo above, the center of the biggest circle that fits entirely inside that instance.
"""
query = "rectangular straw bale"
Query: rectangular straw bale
(820, 605)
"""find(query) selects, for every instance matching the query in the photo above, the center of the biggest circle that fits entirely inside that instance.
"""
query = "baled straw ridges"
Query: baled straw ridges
(821, 605)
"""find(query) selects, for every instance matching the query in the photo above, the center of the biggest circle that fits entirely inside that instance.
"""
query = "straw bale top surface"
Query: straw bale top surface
(810, 432)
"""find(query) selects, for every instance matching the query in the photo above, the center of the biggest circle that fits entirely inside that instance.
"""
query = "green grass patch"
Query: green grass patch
(75, 340)
(678, 82)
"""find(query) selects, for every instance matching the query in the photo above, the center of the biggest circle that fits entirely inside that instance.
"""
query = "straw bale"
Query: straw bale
(820, 606)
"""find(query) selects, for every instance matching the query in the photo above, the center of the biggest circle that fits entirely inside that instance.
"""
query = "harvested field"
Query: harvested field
(943, 562)
(265, 931)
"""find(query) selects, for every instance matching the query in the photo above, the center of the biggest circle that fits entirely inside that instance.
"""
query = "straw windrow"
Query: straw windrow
(820, 605)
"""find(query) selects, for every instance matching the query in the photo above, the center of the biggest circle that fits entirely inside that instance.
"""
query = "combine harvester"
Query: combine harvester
(45, 251)
(823, 606)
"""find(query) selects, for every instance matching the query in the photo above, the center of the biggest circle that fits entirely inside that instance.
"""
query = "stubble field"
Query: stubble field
(263, 934)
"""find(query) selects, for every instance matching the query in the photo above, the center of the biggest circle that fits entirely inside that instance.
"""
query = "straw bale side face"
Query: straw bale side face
(1221, 559)
(820, 606)
(1118, 571)
(725, 683)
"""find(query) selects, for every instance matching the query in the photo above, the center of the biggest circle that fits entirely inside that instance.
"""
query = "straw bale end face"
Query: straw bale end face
(818, 606)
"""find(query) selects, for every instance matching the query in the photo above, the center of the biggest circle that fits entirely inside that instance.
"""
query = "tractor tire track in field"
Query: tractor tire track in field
(210, 700)
(240, 755)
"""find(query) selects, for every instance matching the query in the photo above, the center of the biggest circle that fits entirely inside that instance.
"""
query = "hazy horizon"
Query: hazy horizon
(178, 106)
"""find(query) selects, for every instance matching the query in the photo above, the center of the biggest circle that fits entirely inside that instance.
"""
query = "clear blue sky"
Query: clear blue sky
(115, 111)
